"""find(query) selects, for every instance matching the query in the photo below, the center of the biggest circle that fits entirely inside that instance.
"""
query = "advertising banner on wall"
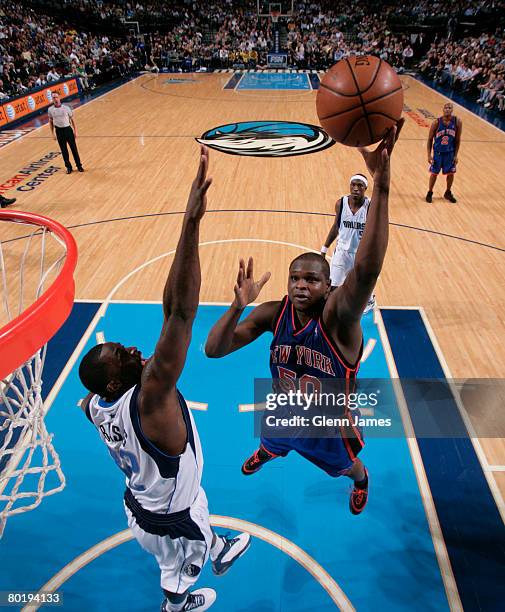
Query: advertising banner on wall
(30, 103)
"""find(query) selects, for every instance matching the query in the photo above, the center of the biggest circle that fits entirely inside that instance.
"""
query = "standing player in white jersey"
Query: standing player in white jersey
(350, 218)
(151, 435)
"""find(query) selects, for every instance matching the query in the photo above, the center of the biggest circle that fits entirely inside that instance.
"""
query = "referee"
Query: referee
(61, 117)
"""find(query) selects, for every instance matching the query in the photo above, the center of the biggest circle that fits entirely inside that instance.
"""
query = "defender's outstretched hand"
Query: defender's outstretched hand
(246, 288)
(375, 159)
(197, 201)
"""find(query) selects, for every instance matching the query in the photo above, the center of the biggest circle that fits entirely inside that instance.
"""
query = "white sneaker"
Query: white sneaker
(197, 601)
(233, 549)
(200, 600)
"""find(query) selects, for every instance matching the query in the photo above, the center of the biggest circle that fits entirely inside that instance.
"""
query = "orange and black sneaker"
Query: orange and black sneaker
(256, 461)
(359, 495)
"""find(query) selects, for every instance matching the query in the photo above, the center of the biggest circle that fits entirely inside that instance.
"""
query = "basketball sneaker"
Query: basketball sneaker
(448, 196)
(359, 497)
(197, 601)
(256, 461)
(429, 197)
(233, 549)
(4, 202)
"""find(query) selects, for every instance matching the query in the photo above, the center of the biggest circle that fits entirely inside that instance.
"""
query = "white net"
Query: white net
(29, 465)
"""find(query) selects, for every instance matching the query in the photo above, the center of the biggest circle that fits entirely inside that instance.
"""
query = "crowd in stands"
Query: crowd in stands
(37, 48)
(34, 51)
(474, 66)
(316, 36)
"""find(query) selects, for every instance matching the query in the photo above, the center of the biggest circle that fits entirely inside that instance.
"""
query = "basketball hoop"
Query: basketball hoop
(274, 16)
(27, 456)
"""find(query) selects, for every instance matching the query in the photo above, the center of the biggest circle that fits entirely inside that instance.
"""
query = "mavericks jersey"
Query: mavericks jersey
(160, 483)
(445, 136)
(351, 226)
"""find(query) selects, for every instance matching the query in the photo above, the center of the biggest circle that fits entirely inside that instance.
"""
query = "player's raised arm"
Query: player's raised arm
(228, 334)
(158, 404)
(182, 289)
(345, 305)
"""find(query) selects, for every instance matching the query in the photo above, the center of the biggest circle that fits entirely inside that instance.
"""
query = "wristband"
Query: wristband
(324, 249)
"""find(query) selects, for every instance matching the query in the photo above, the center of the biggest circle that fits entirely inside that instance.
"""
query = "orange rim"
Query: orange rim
(28, 332)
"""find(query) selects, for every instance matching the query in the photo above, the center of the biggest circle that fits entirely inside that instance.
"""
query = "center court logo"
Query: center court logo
(267, 138)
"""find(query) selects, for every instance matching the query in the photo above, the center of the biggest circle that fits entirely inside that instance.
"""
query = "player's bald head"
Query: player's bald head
(312, 259)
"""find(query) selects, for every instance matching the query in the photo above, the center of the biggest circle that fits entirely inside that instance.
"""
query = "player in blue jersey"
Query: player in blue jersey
(316, 332)
(145, 423)
(443, 147)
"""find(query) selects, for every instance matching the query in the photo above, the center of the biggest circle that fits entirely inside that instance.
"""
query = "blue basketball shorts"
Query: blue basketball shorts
(335, 455)
(443, 161)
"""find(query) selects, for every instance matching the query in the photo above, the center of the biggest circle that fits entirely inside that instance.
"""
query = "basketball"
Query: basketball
(359, 99)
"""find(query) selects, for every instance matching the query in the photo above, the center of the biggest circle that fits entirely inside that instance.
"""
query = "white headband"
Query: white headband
(359, 177)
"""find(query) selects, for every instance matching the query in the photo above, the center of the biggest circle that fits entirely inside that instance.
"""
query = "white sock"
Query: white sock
(217, 548)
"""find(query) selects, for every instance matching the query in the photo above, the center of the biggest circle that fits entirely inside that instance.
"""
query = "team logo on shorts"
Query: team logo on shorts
(267, 138)
(191, 570)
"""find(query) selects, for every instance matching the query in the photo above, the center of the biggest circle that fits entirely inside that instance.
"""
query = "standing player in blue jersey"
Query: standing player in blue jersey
(444, 138)
(316, 331)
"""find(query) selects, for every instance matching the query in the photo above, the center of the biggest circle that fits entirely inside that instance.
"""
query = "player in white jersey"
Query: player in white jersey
(350, 218)
(151, 435)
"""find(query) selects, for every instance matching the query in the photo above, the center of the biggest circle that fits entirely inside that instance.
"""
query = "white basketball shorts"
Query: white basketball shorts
(180, 559)
(341, 264)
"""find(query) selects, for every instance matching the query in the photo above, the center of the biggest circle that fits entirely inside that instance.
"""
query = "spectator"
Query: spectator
(408, 54)
(52, 75)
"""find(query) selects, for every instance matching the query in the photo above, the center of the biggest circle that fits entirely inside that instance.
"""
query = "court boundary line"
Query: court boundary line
(321, 576)
(237, 83)
(437, 537)
(477, 446)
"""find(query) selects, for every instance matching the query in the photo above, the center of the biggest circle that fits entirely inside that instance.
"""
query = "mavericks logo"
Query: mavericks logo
(191, 570)
(267, 138)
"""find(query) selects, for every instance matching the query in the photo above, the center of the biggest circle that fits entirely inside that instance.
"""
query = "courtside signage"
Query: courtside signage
(25, 105)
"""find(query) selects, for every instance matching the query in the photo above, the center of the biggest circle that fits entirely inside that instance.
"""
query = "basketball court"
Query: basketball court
(431, 537)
